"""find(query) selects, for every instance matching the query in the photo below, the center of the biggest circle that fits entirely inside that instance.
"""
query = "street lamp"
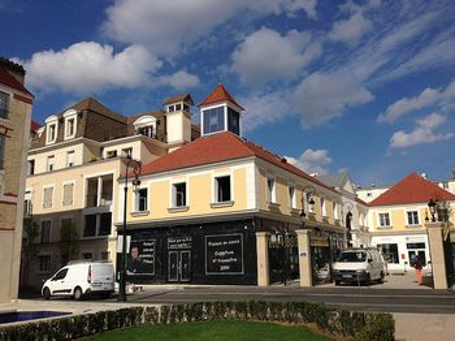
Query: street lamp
(136, 166)
(432, 205)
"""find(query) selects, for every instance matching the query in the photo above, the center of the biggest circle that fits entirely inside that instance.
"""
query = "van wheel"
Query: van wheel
(381, 279)
(337, 282)
(78, 294)
(47, 294)
(367, 282)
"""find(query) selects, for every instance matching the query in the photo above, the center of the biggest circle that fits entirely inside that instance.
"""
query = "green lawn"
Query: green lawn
(212, 330)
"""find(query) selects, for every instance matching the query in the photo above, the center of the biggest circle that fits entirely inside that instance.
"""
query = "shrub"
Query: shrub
(358, 325)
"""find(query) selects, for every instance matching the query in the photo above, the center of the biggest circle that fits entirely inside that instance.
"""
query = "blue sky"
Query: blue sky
(367, 86)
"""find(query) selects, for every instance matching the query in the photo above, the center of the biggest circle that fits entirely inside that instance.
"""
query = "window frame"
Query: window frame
(217, 188)
(174, 194)
(49, 233)
(39, 263)
(72, 194)
(48, 163)
(137, 201)
(292, 196)
(380, 225)
(417, 216)
(2, 151)
(52, 196)
(6, 109)
(271, 192)
(68, 163)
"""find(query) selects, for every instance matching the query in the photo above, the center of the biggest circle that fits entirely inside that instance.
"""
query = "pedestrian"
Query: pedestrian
(418, 267)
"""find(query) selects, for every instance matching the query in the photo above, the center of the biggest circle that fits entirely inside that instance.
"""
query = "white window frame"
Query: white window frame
(271, 194)
(336, 215)
(51, 121)
(53, 195)
(68, 153)
(323, 203)
(137, 200)
(293, 196)
(379, 220)
(72, 182)
(215, 187)
(69, 115)
(174, 193)
(407, 218)
(50, 157)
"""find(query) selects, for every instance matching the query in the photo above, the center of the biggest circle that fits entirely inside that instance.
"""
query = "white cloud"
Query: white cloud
(179, 80)
(427, 98)
(88, 66)
(266, 55)
(164, 26)
(312, 161)
(263, 109)
(323, 96)
(422, 133)
(351, 30)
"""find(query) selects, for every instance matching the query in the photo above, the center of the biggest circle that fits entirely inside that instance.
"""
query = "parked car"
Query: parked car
(359, 266)
(81, 279)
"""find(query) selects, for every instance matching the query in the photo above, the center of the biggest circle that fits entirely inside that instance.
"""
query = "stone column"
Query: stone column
(262, 252)
(303, 239)
(437, 255)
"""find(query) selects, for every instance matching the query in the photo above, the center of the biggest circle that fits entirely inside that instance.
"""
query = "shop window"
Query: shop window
(390, 252)
(384, 220)
(413, 218)
(45, 233)
(223, 189)
(179, 192)
(105, 224)
(44, 263)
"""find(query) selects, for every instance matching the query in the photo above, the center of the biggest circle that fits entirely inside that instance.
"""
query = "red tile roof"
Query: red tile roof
(220, 147)
(219, 94)
(7, 79)
(34, 126)
(412, 189)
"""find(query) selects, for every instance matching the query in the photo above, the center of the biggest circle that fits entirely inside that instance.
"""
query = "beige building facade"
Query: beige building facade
(15, 112)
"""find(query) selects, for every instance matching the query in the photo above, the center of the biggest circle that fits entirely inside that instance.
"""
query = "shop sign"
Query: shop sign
(319, 241)
(178, 243)
(141, 258)
(224, 254)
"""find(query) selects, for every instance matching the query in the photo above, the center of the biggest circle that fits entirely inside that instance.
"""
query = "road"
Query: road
(363, 298)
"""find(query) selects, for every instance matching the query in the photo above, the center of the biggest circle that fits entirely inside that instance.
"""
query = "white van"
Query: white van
(79, 279)
(360, 266)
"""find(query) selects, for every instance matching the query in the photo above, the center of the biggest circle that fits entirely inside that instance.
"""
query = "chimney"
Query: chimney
(423, 175)
(16, 70)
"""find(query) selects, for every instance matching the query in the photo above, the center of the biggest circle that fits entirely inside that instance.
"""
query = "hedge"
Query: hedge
(358, 326)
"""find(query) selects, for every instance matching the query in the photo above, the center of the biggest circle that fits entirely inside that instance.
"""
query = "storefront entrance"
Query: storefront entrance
(179, 266)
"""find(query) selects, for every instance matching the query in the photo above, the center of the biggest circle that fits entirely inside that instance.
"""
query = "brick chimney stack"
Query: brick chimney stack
(16, 70)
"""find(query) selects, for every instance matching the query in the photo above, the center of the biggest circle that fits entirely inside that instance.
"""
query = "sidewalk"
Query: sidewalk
(416, 327)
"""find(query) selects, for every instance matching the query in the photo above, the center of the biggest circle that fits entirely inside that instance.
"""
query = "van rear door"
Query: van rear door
(102, 277)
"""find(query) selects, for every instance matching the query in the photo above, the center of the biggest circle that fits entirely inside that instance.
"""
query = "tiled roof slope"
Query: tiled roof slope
(7, 79)
(34, 126)
(217, 148)
(412, 189)
(179, 98)
(219, 94)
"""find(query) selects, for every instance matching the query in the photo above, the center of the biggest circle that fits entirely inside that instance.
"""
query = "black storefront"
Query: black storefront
(208, 253)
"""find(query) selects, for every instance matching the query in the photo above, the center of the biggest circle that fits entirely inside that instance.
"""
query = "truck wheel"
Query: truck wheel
(78, 294)
(46, 294)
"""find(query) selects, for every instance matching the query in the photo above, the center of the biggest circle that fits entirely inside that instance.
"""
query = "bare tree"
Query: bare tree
(69, 241)
(30, 247)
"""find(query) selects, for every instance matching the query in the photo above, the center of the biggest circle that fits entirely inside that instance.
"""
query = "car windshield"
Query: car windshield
(353, 256)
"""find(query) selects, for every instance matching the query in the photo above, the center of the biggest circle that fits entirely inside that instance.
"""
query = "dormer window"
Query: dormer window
(51, 129)
(214, 120)
(146, 131)
(70, 123)
(146, 125)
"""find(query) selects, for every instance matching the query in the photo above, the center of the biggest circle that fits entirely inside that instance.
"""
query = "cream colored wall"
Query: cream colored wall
(369, 194)
(398, 216)
(283, 180)
(59, 157)
(200, 193)
(178, 125)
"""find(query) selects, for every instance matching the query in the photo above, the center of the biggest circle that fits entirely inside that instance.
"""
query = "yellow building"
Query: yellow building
(74, 162)
(15, 110)
(397, 220)
(195, 216)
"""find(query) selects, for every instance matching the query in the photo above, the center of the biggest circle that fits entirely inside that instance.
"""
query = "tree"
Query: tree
(30, 247)
(69, 241)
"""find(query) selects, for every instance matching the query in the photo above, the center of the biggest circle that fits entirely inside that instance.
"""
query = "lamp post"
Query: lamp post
(136, 166)
(308, 191)
(432, 206)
